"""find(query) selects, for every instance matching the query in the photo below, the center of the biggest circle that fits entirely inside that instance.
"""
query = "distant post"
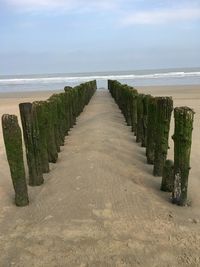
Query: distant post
(13, 144)
(182, 137)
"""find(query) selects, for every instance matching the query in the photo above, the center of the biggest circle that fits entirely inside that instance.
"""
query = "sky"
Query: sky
(66, 36)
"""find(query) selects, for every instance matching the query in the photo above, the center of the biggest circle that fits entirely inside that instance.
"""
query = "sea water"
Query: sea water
(43, 82)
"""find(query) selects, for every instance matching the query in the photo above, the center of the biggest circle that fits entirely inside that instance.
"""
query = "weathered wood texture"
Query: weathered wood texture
(151, 130)
(168, 176)
(146, 100)
(13, 145)
(164, 110)
(140, 114)
(42, 118)
(32, 143)
(182, 137)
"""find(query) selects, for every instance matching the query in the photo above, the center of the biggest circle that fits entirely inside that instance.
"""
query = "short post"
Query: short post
(164, 110)
(31, 139)
(182, 137)
(168, 176)
(13, 144)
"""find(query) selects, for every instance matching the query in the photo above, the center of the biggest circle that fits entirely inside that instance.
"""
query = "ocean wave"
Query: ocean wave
(46, 80)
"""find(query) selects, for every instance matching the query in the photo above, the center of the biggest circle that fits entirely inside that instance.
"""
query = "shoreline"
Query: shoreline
(152, 88)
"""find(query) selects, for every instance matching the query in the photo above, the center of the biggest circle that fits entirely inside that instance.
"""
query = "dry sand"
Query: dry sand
(100, 205)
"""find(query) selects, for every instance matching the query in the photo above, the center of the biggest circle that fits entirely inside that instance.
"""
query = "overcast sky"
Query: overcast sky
(48, 36)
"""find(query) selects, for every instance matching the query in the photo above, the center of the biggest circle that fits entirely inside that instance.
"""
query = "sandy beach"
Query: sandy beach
(100, 205)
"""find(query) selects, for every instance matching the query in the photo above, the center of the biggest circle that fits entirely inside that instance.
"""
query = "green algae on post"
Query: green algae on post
(151, 130)
(52, 145)
(184, 117)
(133, 108)
(146, 99)
(164, 110)
(31, 139)
(168, 176)
(13, 145)
(139, 132)
(42, 119)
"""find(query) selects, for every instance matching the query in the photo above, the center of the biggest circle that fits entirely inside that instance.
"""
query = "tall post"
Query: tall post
(151, 130)
(146, 99)
(133, 110)
(13, 144)
(42, 119)
(164, 110)
(31, 139)
(52, 146)
(182, 137)
(139, 133)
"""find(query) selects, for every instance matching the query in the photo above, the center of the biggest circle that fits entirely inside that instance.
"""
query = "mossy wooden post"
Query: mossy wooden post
(134, 110)
(52, 146)
(13, 144)
(151, 130)
(69, 96)
(31, 139)
(62, 115)
(139, 132)
(55, 105)
(182, 137)
(164, 110)
(146, 99)
(127, 92)
(67, 108)
(168, 176)
(41, 113)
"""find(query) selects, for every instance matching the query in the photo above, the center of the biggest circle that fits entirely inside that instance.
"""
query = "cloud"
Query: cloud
(131, 11)
(62, 5)
(159, 16)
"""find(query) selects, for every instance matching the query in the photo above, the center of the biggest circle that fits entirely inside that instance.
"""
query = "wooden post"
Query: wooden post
(55, 104)
(127, 98)
(182, 137)
(67, 110)
(164, 110)
(139, 133)
(42, 119)
(133, 111)
(52, 146)
(31, 139)
(13, 144)
(151, 130)
(168, 176)
(146, 99)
